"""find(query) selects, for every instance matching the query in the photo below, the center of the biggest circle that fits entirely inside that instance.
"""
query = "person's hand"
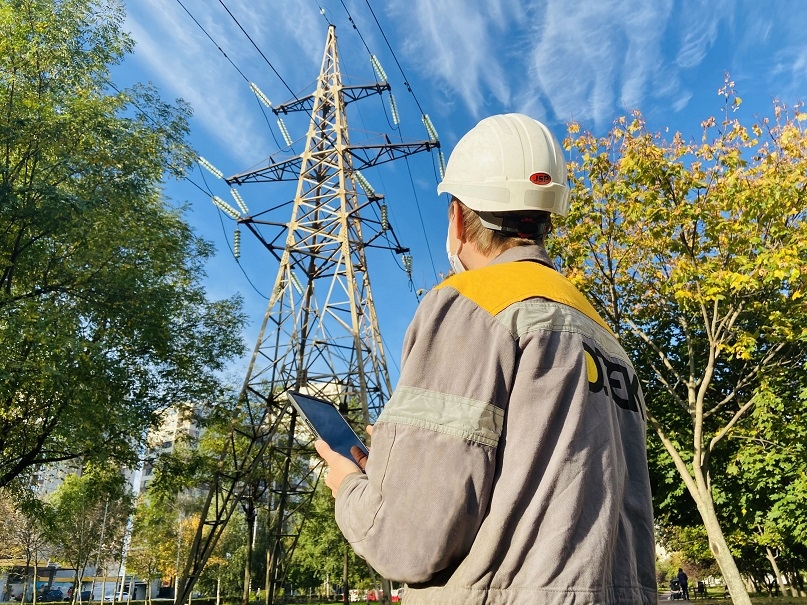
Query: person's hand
(339, 467)
(358, 455)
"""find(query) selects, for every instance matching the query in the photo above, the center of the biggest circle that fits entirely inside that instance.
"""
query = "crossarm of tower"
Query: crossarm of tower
(349, 94)
(287, 170)
(364, 156)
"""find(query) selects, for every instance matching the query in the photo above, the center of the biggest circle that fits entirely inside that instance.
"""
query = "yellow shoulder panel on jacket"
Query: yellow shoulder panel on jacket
(496, 287)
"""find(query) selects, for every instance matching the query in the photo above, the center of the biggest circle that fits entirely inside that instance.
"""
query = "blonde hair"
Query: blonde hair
(489, 241)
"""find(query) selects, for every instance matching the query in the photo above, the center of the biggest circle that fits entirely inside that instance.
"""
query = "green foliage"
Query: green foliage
(696, 253)
(152, 550)
(321, 548)
(87, 516)
(191, 462)
(22, 531)
(162, 533)
(225, 567)
(690, 545)
(103, 319)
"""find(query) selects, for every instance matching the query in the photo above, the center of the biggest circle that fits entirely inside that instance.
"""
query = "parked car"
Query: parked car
(85, 595)
(52, 595)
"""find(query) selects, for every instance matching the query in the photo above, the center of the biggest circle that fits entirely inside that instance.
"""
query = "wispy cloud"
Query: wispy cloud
(187, 69)
(682, 101)
(584, 60)
(699, 23)
(587, 60)
(788, 65)
(461, 45)
(188, 65)
(599, 57)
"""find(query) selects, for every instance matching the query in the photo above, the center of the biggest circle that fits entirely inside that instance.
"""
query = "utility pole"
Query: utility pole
(320, 332)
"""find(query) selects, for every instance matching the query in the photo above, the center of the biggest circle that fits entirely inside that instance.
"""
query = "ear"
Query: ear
(456, 226)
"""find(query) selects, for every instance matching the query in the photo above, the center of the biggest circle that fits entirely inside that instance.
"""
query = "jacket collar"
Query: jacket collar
(536, 254)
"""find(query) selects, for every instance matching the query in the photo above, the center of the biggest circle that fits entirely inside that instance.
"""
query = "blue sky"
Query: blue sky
(556, 60)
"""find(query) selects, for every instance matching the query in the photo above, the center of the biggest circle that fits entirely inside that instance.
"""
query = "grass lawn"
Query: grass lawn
(714, 596)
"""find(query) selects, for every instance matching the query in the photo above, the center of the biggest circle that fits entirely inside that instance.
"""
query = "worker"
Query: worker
(509, 465)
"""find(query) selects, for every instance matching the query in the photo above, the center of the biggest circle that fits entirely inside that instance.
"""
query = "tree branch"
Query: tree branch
(665, 360)
(748, 378)
(670, 389)
(727, 323)
(739, 414)
(680, 465)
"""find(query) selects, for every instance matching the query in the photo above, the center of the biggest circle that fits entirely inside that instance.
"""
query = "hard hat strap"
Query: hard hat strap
(534, 226)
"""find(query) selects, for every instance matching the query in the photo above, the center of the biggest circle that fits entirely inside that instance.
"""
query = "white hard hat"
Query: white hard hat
(508, 163)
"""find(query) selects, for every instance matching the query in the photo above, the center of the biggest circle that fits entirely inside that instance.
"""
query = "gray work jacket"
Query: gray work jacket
(510, 464)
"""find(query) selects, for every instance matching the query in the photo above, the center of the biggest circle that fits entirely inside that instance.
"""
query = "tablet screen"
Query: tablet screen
(325, 421)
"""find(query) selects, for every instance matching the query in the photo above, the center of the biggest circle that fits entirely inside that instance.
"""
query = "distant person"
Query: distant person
(510, 464)
(682, 580)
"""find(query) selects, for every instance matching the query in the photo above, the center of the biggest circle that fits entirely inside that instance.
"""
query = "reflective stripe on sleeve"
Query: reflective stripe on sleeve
(469, 419)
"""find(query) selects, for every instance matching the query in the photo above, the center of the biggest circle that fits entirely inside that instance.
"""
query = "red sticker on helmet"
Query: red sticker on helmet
(540, 178)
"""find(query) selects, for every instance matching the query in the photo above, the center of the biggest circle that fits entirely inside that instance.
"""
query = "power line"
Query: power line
(353, 23)
(409, 88)
(420, 214)
(406, 80)
(206, 189)
(260, 105)
(209, 192)
(322, 12)
(412, 287)
(269, 63)
(212, 40)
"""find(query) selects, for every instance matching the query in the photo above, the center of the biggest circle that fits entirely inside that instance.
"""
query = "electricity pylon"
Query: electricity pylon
(320, 333)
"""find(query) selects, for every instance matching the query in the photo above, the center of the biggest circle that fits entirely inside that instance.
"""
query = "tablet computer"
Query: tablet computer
(324, 420)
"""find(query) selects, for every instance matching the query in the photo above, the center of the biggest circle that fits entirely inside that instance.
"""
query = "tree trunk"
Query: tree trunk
(800, 583)
(720, 550)
(247, 574)
(386, 587)
(697, 483)
(345, 582)
(35, 576)
(794, 592)
(755, 581)
(26, 583)
(267, 594)
(249, 511)
(776, 573)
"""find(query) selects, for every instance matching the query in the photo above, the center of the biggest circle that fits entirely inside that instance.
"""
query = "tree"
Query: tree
(162, 532)
(761, 495)
(22, 534)
(320, 552)
(223, 574)
(103, 318)
(152, 549)
(87, 519)
(696, 255)
(770, 468)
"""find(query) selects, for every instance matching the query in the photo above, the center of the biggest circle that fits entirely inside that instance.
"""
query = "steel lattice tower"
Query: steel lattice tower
(320, 332)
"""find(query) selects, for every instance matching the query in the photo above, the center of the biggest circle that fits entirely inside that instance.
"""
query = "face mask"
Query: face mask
(453, 259)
